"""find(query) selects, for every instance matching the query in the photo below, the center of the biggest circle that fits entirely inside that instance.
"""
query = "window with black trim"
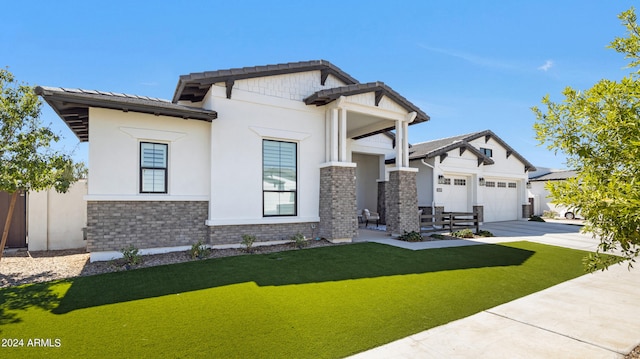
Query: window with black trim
(279, 178)
(153, 167)
(486, 151)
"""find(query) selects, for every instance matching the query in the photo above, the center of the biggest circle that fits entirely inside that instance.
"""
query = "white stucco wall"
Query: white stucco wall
(55, 220)
(114, 155)
(244, 121)
(424, 182)
(367, 176)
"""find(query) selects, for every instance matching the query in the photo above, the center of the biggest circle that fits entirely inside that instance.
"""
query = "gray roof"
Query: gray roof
(440, 147)
(72, 105)
(555, 176)
(194, 86)
(324, 97)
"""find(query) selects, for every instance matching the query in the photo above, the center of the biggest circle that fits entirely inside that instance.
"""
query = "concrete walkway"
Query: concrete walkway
(593, 316)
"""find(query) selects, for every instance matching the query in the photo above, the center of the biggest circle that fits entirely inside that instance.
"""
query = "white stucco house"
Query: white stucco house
(476, 172)
(268, 151)
(541, 197)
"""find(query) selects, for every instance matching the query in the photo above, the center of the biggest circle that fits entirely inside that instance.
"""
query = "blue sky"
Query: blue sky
(471, 65)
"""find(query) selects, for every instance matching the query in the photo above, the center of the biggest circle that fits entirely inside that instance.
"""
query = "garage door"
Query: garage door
(500, 200)
(455, 194)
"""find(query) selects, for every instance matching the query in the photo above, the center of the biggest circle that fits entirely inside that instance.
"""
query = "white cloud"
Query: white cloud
(547, 65)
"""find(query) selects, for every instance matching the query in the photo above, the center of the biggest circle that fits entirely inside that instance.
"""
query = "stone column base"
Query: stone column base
(338, 207)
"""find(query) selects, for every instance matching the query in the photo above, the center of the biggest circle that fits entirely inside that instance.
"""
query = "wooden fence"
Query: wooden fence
(448, 221)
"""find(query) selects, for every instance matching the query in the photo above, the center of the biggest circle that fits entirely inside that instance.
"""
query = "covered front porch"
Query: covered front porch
(354, 115)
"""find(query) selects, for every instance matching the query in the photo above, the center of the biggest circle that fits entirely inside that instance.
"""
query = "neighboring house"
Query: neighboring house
(540, 195)
(47, 220)
(476, 172)
(268, 151)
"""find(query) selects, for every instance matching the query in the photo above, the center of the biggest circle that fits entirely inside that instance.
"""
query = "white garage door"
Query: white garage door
(455, 194)
(500, 200)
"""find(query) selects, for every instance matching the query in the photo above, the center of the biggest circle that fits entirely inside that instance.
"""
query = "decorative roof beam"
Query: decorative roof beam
(462, 149)
(509, 152)
(443, 156)
(379, 95)
(229, 84)
(487, 138)
(324, 74)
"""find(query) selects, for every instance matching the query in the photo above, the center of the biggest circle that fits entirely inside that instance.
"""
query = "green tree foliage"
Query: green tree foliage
(27, 163)
(599, 131)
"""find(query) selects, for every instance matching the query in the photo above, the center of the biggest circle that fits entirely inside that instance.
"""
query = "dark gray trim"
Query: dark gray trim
(555, 176)
(72, 105)
(194, 86)
(380, 89)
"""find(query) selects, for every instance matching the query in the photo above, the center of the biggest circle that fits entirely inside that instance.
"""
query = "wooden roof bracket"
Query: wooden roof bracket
(379, 95)
(229, 84)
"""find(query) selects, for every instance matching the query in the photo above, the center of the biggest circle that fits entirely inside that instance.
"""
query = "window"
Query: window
(512, 185)
(459, 182)
(490, 184)
(279, 178)
(502, 185)
(153, 167)
(447, 181)
(487, 152)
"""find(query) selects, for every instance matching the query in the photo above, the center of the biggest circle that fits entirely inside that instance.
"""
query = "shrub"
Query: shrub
(549, 214)
(483, 233)
(536, 219)
(199, 250)
(463, 233)
(298, 240)
(412, 236)
(247, 241)
(131, 255)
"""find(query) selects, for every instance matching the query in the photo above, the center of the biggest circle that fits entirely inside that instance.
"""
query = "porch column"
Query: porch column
(399, 144)
(338, 217)
(342, 136)
(333, 141)
(402, 201)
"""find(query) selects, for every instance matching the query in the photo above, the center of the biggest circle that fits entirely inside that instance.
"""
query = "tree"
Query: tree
(599, 131)
(27, 163)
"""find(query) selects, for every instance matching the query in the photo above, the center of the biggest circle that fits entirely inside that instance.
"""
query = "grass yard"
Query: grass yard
(326, 302)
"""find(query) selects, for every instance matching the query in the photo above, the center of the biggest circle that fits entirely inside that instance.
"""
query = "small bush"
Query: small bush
(298, 240)
(536, 219)
(483, 233)
(247, 241)
(438, 236)
(463, 233)
(131, 255)
(549, 214)
(412, 236)
(199, 250)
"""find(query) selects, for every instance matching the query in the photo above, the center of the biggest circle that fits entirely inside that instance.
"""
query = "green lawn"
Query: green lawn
(326, 302)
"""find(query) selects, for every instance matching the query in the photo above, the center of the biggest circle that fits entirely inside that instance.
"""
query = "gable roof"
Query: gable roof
(324, 97)
(555, 176)
(194, 86)
(440, 147)
(72, 105)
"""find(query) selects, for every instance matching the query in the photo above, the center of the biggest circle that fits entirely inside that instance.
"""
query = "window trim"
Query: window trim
(165, 169)
(295, 192)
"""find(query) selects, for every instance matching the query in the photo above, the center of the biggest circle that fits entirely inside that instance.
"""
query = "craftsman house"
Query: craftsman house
(476, 172)
(269, 151)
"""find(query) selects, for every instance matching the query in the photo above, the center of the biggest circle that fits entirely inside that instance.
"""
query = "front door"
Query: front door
(18, 230)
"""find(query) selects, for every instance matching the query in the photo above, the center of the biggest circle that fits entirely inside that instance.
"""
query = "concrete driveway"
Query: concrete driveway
(593, 316)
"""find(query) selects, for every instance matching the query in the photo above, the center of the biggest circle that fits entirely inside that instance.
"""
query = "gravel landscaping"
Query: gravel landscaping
(23, 267)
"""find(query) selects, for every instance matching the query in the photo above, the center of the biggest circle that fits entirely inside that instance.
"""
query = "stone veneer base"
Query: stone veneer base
(113, 225)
